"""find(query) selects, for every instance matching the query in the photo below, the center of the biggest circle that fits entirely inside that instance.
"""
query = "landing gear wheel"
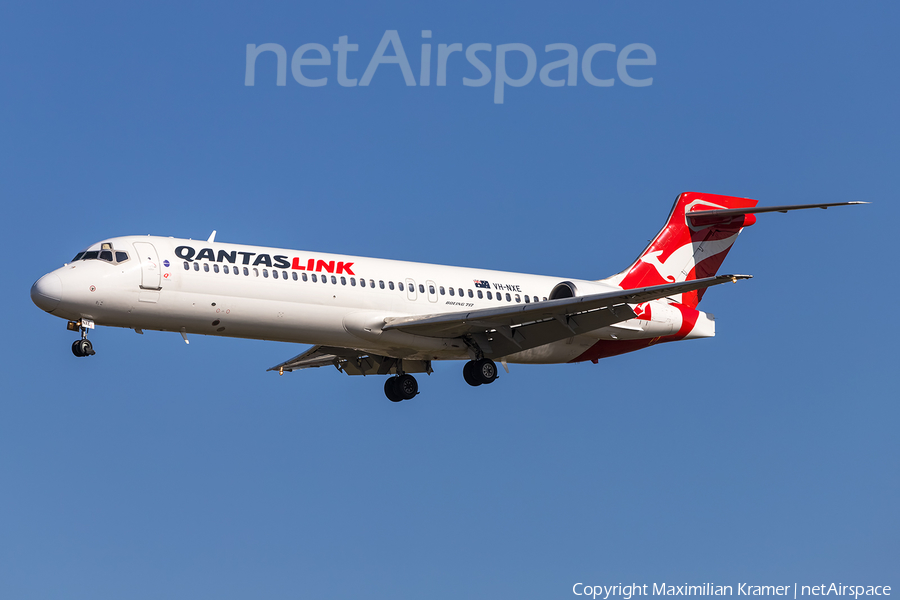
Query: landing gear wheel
(485, 370)
(83, 348)
(390, 390)
(406, 386)
(469, 374)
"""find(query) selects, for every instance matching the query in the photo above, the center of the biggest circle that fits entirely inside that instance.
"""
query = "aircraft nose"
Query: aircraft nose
(46, 292)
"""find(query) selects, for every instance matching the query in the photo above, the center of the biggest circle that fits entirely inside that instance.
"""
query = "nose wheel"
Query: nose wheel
(478, 372)
(82, 347)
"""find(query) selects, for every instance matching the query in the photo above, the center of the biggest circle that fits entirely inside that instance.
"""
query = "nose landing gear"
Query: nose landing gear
(82, 347)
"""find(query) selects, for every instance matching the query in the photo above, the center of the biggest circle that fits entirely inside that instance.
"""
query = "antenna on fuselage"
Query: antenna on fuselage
(212, 236)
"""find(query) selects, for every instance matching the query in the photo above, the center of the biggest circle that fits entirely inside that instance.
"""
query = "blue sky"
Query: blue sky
(767, 454)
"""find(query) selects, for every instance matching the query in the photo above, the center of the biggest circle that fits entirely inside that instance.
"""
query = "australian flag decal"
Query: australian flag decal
(479, 283)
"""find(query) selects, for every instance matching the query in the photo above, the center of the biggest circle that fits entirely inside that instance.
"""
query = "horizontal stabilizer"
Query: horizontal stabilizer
(701, 218)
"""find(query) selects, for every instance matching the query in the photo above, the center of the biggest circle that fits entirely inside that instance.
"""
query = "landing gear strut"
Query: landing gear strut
(478, 372)
(82, 347)
(401, 387)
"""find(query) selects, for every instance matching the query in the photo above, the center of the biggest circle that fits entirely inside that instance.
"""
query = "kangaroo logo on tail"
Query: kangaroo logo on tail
(682, 251)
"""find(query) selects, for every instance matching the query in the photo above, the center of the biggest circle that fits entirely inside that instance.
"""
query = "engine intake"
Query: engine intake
(566, 289)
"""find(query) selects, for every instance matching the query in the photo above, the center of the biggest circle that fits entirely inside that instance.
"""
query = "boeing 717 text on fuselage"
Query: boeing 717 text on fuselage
(369, 316)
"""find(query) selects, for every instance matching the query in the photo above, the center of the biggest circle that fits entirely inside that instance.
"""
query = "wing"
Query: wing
(317, 356)
(509, 329)
(350, 361)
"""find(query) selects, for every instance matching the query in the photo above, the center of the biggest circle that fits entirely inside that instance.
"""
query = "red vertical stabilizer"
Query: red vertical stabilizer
(683, 251)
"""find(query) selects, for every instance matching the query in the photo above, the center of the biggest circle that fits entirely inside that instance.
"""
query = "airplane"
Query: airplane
(370, 316)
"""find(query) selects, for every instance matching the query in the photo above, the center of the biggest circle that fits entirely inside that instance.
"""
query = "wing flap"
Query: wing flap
(504, 341)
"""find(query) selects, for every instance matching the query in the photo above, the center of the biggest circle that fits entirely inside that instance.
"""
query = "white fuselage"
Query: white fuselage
(231, 290)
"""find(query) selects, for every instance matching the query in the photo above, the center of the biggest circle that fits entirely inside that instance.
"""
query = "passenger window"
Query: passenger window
(430, 289)
(294, 275)
(313, 278)
(196, 266)
(343, 280)
(225, 269)
(274, 273)
(206, 267)
(422, 289)
(246, 271)
(461, 293)
(442, 290)
(545, 297)
(334, 280)
(266, 273)
(391, 285)
(284, 275)
(471, 294)
(216, 267)
(508, 299)
(121, 257)
(304, 277)
(362, 282)
(518, 299)
(452, 292)
(536, 299)
(499, 297)
(490, 296)
(526, 299)
(400, 286)
(255, 272)
(372, 284)
(187, 266)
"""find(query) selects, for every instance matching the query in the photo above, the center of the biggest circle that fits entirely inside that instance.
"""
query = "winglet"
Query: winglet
(212, 236)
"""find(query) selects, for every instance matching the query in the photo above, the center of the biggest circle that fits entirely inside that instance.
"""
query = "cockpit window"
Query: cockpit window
(106, 254)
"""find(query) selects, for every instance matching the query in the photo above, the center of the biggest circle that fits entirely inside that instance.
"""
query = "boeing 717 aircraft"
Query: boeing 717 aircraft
(369, 316)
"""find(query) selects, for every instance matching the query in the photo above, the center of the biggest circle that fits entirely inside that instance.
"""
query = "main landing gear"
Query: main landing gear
(405, 387)
(82, 347)
(401, 387)
(482, 371)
